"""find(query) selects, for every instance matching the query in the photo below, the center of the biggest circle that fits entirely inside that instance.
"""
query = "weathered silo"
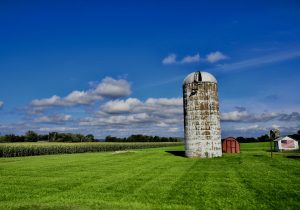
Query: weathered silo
(202, 132)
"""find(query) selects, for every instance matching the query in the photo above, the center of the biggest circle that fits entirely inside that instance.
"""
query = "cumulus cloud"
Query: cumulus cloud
(294, 116)
(165, 101)
(170, 59)
(212, 57)
(173, 129)
(235, 116)
(1, 104)
(57, 129)
(130, 120)
(120, 106)
(215, 57)
(191, 59)
(242, 115)
(245, 116)
(134, 114)
(54, 119)
(249, 127)
(108, 87)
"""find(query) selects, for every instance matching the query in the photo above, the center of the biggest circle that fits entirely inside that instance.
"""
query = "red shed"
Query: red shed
(230, 145)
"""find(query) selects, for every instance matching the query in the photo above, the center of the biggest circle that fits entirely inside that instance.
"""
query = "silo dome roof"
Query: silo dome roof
(199, 76)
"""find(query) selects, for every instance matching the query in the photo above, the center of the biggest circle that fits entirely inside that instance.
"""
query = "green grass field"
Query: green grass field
(151, 179)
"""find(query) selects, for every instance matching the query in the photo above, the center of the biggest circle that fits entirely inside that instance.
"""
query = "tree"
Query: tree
(263, 138)
(89, 137)
(31, 136)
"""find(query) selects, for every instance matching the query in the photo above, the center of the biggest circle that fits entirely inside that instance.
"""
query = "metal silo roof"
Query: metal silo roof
(203, 77)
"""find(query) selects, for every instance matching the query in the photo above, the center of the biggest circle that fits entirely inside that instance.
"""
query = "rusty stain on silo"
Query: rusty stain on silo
(202, 132)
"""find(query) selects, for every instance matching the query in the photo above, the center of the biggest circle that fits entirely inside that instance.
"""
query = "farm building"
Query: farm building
(230, 145)
(202, 131)
(285, 143)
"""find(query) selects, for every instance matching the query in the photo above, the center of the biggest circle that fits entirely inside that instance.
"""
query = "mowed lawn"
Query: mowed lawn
(151, 179)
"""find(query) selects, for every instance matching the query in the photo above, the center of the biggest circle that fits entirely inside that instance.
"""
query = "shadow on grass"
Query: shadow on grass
(293, 156)
(258, 155)
(177, 153)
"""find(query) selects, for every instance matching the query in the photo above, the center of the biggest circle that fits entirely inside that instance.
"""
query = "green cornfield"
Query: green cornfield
(31, 149)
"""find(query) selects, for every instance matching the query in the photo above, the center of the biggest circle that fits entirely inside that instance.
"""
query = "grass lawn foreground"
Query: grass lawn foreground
(151, 179)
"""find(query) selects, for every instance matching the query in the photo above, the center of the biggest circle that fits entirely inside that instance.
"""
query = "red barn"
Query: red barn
(231, 145)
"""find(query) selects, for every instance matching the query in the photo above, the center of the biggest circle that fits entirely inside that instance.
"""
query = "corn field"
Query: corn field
(31, 149)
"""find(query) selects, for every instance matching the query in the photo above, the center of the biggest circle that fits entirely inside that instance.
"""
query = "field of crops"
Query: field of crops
(31, 149)
(155, 178)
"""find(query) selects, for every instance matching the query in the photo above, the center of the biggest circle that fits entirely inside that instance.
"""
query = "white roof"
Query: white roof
(284, 138)
(203, 77)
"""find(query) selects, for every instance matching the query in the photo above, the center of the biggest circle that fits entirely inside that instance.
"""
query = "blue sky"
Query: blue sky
(116, 67)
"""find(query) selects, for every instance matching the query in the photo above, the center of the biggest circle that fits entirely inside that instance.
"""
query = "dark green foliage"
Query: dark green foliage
(141, 138)
(31, 149)
(31, 136)
(90, 138)
(296, 136)
(263, 138)
(12, 138)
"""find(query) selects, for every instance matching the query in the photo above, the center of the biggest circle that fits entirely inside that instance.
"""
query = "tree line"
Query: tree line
(141, 138)
(264, 138)
(31, 136)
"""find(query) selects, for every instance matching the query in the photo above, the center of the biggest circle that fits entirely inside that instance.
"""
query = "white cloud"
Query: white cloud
(120, 106)
(134, 114)
(165, 101)
(235, 116)
(54, 100)
(174, 130)
(249, 127)
(274, 126)
(108, 87)
(57, 129)
(129, 120)
(54, 119)
(80, 98)
(1, 104)
(245, 116)
(242, 115)
(262, 60)
(215, 57)
(170, 59)
(191, 59)
(212, 57)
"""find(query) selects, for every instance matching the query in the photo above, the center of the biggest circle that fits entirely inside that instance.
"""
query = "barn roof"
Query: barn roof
(201, 76)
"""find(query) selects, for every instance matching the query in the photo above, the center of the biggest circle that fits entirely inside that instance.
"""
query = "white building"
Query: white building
(286, 143)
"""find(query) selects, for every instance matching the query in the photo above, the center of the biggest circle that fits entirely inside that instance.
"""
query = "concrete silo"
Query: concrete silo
(202, 132)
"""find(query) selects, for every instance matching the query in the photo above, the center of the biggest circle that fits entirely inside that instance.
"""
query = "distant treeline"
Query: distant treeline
(264, 138)
(31, 136)
(141, 138)
(296, 136)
